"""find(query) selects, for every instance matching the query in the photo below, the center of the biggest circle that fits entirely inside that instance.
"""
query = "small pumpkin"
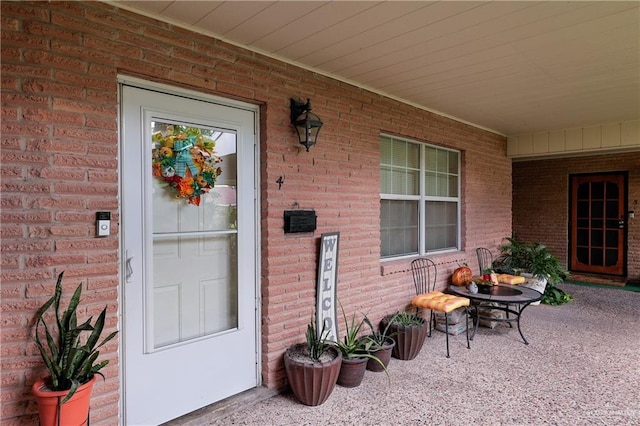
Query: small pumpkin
(462, 275)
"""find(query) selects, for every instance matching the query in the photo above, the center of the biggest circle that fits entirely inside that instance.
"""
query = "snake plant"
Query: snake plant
(69, 361)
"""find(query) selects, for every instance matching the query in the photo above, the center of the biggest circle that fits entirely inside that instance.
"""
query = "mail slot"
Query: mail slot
(299, 221)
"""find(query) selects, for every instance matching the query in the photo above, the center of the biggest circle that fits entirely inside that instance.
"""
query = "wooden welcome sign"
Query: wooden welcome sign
(326, 309)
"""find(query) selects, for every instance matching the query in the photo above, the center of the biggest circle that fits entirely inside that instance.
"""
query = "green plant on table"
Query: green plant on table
(69, 361)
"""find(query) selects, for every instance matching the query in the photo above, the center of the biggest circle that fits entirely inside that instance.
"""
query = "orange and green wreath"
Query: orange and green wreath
(185, 161)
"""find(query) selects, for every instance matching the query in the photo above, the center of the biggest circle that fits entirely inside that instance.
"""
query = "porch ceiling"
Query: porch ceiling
(511, 67)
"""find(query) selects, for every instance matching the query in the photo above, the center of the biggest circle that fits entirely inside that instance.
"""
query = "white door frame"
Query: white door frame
(172, 90)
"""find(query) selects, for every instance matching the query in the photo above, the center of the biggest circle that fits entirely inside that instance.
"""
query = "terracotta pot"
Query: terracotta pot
(312, 382)
(352, 372)
(74, 412)
(409, 340)
(383, 354)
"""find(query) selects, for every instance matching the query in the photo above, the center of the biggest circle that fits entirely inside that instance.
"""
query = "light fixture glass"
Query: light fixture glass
(307, 124)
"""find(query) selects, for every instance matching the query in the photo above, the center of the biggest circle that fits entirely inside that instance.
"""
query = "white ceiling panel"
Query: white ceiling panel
(265, 30)
(230, 14)
(509, 66)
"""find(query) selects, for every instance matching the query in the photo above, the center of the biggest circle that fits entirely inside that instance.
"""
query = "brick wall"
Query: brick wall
(59, 166)
(541, 200)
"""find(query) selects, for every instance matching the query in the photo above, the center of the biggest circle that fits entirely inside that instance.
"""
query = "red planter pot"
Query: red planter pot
(383, 354)
(409, 340)
(352, 372)
(312, 382)
(74, 412)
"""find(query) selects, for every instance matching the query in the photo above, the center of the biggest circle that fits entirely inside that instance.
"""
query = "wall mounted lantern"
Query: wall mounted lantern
(306, 123)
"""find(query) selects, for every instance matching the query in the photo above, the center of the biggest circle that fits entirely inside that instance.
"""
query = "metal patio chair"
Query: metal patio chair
(424, 278)
(485, 259)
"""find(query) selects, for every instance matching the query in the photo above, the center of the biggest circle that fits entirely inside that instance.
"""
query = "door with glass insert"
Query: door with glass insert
(189, 242)
(598, 226)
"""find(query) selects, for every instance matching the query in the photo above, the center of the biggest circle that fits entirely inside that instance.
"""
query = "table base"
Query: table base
(501, 307)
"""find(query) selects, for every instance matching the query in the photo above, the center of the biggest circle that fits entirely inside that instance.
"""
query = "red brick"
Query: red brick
(26, 216)
(56, 61)
(45, 115)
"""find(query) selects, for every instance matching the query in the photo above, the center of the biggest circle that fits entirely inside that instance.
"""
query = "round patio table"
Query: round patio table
(511, 299)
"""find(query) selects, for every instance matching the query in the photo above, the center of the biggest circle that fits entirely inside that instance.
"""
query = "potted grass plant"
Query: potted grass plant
(312, 367)
(71, 361)
(410, 332)
(355, 353)
(379, 342)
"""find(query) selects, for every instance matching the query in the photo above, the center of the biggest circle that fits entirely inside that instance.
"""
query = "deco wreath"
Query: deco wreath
(185, 161)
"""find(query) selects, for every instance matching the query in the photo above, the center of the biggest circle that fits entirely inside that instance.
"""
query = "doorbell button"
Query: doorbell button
(103, 224)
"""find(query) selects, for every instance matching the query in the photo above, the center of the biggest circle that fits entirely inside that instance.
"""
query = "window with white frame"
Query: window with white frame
(419, 197)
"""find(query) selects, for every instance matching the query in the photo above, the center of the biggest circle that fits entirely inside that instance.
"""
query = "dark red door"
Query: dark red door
(597, 230)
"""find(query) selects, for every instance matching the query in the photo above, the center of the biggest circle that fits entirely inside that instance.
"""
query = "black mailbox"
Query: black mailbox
(299, 221)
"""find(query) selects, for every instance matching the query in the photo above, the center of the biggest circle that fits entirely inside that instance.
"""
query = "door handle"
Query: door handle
(621, 224)
(128, 267)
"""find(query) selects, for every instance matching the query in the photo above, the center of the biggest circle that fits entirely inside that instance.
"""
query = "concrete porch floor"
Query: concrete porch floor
(582, 367)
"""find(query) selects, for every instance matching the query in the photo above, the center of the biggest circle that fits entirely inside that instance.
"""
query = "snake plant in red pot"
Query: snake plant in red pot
(72, 362)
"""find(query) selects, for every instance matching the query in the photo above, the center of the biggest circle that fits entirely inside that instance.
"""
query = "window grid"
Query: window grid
(419, 194)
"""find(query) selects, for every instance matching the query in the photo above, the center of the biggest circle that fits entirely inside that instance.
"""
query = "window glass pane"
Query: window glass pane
(399, 167)
(399, 227)
(430, 184)
(385, 180)
(441, 225)
(399, 154)
(612, 209)
(583, 191)
(453, 186)
(398, 182)
(453, 162)
(443, 160)
(413, 182)
(442, 185)
(413, 155)
(431, 159)
(597, 190)
(597, 209)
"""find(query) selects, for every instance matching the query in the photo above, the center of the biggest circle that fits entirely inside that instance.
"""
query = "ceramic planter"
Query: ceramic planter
(352, 372)
(383, 354)
(74, 412)
(535, 283)
(409, 339)
(311, 382)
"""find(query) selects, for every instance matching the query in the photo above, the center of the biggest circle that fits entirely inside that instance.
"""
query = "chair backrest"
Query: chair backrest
(424, 275)
(485, 259)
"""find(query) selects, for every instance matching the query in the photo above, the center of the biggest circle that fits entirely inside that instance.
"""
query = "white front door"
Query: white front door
(189, 232)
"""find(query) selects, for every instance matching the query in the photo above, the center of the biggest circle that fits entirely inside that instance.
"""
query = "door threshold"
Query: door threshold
(221, 409)
(597, 279)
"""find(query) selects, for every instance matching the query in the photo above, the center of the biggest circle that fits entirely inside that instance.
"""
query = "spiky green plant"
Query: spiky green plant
(317, 342)
(377, 338)
(70, 362)
(406, 319)
(352, 344)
